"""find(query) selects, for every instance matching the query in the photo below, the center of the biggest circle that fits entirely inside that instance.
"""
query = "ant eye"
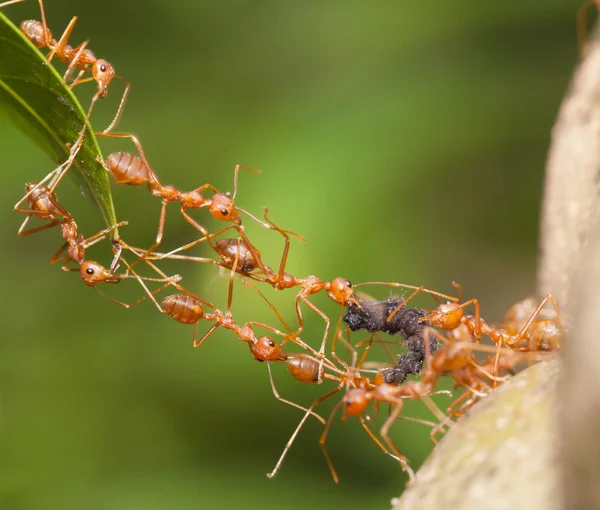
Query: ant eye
(89, 270)
(103, 68)
(271, 343)
(224, 212)
(349, 283)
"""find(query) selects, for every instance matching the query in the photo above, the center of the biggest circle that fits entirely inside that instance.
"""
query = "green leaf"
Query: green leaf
(44, 108)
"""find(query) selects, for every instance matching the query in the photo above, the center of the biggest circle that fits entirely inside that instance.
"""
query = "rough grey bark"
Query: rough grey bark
(572, 187)
(501, 456)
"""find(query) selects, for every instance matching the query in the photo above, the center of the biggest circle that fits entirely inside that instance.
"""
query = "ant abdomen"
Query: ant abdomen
(518, 314)
(183, 308)
(305, 368)
(34, 31)
(43, 201)
(228, 249)
(127, 168)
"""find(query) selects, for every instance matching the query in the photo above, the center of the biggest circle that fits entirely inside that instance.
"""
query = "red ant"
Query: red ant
(306, 370)
(449, 359)
(93, 273)
(541, 335)
(76, 58)
(127, 168)
(349, 377)
(242, 257)
(42, 204)
(187, 308)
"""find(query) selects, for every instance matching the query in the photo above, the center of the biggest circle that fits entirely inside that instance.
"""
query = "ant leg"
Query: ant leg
(90, 241)
(292, 336)
(524, 333)
(62, 42)
(159, 233)
(297, 430)
(141, 280)
(374, 438)
(23, 233)
(75, 149)
(385, 435)
(433, 407)
(299, 297)
(173, 282)
(458, 287)
(102, 234)
(236, 171)
(349, 348)
(459, 400)
(10, 2)
(73, 65)
(131, 305)
(77, 78)
(79, 81)
(286, 247)
(323, 438)
(57, 255)
(293, 404)
(406, 286)
(208, 333)
(284, 233)
(205, 186)
(207, 236)
(404, 302)
(440, 428)
(120, 108)
(47, 35)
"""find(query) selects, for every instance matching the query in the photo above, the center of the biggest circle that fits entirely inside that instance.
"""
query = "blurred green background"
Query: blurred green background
(405, 140)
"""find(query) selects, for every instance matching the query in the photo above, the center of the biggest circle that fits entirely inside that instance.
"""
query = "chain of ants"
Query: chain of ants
(441, 341)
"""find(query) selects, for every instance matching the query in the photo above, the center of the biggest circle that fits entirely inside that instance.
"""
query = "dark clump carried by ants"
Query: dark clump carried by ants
(374, 316)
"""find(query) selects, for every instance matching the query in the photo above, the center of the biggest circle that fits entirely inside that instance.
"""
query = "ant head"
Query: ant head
(103, 73)
(223, 208)
(355, 402)
(92, 273)
(341, 291)
(265, 349)
(448, 315)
